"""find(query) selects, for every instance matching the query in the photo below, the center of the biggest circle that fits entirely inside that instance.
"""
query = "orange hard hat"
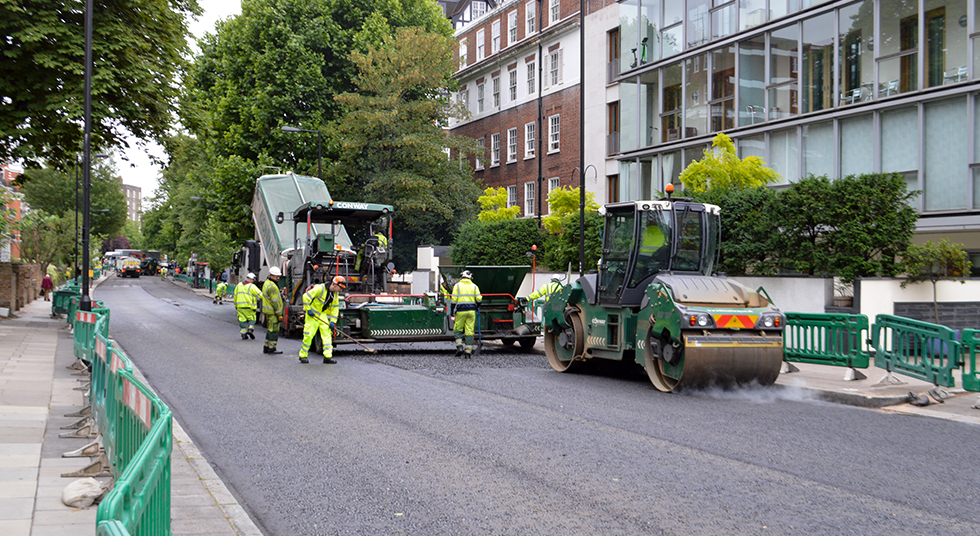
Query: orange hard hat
(341, 281)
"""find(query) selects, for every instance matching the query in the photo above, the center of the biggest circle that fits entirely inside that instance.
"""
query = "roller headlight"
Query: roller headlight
(701, 320)
(770, 321)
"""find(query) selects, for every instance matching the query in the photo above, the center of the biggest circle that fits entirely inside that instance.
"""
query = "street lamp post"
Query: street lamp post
(74, 264)
(85, 303)
(581, 215)
(319, 146)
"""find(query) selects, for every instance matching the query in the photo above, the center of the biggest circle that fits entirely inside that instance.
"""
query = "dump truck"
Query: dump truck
(129, 267)
(656, 301)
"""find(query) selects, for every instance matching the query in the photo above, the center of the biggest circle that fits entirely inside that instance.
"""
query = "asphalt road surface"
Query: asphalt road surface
(416, 441)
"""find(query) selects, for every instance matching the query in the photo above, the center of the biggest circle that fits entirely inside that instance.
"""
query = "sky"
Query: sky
(138, 170)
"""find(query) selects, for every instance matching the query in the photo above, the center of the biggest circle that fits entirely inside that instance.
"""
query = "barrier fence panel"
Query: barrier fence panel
(971, 346)
(84, 332)
(827, 339)
(929, 352)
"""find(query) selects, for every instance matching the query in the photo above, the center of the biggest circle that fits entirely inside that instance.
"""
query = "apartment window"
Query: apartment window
(479, 153)
(495, 43)
(511, 196)
(554, 133)
(554, 183)
(783, 72)
(513, 84)
(613, 59)
(555, 11)
(496, 92)
(555, 68)
(531, 85)
(612, 134)
(722, 88)
(495, 149)
(479, 8)
(462, 53)
(464, 98)
(529, 16)
(529, 199)
(480, 90)
(612, 189)
(529, 140)
(512, 27)
(512, 145)
(481, 45)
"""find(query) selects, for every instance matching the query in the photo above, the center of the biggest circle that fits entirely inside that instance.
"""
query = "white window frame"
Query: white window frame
(479, 155)
(478, 9)
(495, 37)
(464, 99)
(529, 140)
(481, 44)
(531, 78)
(554, 183)
(511, 145)
(462, 53)
(529, 199)
(512, 27)
(496, 91)
(513, 84)
(480, 94)
(495, 149)
(512, 195)
(529, 12)
(554, 133)
(556, 61)
(555, 11)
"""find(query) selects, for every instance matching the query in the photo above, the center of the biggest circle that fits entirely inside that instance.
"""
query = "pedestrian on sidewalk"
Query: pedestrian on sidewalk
(246, 302)
(272, 307)
(46, 286)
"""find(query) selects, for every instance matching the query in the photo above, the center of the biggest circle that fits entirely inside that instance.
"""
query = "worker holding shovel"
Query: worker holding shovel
(322, 306)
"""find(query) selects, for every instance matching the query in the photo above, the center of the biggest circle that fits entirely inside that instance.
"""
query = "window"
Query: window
(529, 16)
(496, 92)
(555, 68)
(722, 88)
(555, 11)
(512, 27)
(464, 98)
(554, 133)
(529, 140)
(480, 90)
(495, 43)
(612, 189)
(480, 153)
(479, 8)
(462, 53)
(670, 118)
(698, 21)
(696, 95)
(481, 44)
(531, 85)
(898, 45)
(495, 149)
(612, 133)
(783, 72)
(613, 59)
(513, 84)
(511, 196)
(512, 145)
(818, 63)
(751, 72)
(554, 183)
(529, 199)
(855, 54)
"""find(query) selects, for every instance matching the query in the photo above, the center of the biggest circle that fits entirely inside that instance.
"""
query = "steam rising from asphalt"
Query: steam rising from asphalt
(759, 394)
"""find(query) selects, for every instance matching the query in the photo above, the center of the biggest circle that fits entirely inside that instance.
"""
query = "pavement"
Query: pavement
(38, 390)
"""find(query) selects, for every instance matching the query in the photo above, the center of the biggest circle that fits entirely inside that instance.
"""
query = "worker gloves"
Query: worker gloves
(522, 301)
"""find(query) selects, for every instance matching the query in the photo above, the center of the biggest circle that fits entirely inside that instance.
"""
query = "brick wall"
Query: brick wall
(28, 283)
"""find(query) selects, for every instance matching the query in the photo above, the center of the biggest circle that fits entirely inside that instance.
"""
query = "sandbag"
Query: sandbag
(81, 493)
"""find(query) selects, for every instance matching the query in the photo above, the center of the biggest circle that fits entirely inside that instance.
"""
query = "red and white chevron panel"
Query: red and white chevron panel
(100, 348)
(84, 316)
(117, 362)
(138, 402)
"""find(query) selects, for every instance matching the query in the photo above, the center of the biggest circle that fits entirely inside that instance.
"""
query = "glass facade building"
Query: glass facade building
(812, 87)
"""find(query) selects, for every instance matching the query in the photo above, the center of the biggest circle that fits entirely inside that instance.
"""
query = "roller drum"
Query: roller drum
(718, 360)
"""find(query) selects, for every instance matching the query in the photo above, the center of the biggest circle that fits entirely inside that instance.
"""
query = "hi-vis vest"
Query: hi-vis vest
(546, 290)
(325, 304)
(246, 296)
(466, 295)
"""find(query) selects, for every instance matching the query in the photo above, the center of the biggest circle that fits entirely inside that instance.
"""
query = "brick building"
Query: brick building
(10, 249)
(134, 202)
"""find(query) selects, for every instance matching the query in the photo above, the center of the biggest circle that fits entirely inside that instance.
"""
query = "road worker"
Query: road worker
(246, 303)
(272, 308)
(321, 303)
(546, 290)
(466, 299)
(219, 292)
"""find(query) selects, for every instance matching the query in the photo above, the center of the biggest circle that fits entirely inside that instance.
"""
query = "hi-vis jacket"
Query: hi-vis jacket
(271, 299)
(324, 304)
(247, 296)
(551, 287)
(466, 295)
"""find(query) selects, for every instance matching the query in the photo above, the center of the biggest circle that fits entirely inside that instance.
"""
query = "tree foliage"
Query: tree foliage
(562, 202)
(494, 205)
(721, 168)
(748, 226)
(562, 249)
(137, 48)
(53, 192)
(500, 243)
(46, 239)
(935, 262)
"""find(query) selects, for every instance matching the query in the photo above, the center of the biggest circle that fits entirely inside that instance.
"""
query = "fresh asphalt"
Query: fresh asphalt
(417, 441)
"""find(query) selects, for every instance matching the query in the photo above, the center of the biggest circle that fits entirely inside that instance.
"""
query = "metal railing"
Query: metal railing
(827, 339)
(929, 352)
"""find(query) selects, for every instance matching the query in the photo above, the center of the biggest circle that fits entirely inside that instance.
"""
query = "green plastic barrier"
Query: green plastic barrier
(929, 352)
(60, 300)
(826, 339)
(971, 346)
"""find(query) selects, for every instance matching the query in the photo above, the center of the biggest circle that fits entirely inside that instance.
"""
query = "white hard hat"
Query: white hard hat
(275, 271)
(466, 274)
(250, 277)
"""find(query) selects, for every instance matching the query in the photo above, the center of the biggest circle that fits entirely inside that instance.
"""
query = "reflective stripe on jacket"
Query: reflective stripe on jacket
(551, 287)
(466, 295)
(325, 304)
(247, 296)
(271, 298)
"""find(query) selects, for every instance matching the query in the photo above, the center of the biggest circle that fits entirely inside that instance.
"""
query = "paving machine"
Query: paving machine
(656, 301)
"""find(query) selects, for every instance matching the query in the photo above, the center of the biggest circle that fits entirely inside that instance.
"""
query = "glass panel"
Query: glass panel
(723, 22)
(818, 149)
(818, 63)
(690, 234)
(783, 55)
(628, 35)
(751, 81)
(781, 8)
(946, 42)
(672, 40)
(673, 11)
(649, 109)
(783, 101)
(670, 121)
(648, 166)
(784, 155)
(976, 56)
(697, 22)
(627, 180)
(723, 73)
(653, 255)
(855, 54)
(751, 13)
(628, 115)
(976, 127)
(857, 145)
(692, 154)
(615, 258)
(670, 164)
(696, 95)
(976, 193)
(649, 31)
(900, 139)
(899, 33)
(897, 75)
(752, 146)
(945, 167)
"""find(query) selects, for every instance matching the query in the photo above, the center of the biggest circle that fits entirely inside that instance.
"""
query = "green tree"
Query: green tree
(562, 248)
(494, 204)
(46, 239)
(53, 192)
(935, 262)
(394, 142)
(721, 168)
(6, 223)
(499, 243)
(563, 202)
(748, 229)
(216, 246)
(138, 49)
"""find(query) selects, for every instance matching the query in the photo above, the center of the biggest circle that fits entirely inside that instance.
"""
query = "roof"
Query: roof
(346, 212)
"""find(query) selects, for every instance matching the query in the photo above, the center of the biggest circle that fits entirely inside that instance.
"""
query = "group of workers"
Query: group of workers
(321, 305)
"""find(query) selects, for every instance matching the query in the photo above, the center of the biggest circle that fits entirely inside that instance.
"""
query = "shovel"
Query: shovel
(357, 342)
(479, 333)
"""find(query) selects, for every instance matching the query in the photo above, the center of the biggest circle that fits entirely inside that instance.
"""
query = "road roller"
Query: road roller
(656, 300)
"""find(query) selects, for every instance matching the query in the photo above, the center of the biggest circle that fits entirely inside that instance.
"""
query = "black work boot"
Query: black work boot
(273, 351)
(251, 335)
(265, 349)
(304, 360)
(244, 337)
(329, 360)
